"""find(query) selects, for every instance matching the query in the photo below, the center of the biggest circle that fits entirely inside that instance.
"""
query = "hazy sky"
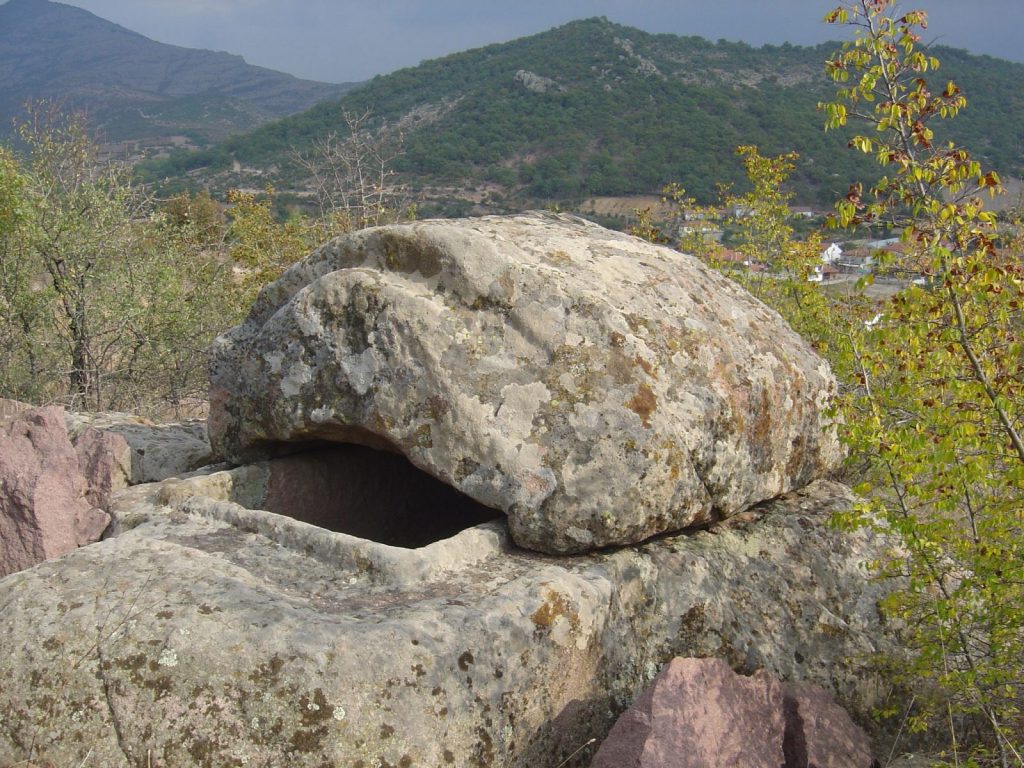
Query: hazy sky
(340, 40)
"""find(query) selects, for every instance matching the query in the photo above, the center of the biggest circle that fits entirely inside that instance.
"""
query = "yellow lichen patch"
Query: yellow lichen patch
(636, 322)
(648, 368)
(643, 404)
(422, 437)
(561, 258)
(669, 454)
(553, 608)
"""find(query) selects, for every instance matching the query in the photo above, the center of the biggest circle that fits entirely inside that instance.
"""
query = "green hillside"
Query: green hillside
(595, 108)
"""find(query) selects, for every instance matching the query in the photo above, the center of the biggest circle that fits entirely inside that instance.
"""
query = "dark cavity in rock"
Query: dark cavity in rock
(371, 494)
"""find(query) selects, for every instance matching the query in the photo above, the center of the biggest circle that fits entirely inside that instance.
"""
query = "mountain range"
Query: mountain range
(594, 108)
(134, 88)
(588, 109)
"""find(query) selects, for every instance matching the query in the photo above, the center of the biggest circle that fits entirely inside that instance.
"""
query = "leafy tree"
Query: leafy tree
(939, 407)
(261, 246)
(196, 218)
(77, 225)
(691, 221)
(110, 301)
(11, 184)
(20, 304)
(762, 214)
(645, 226)
(681, 208)
(101, 307)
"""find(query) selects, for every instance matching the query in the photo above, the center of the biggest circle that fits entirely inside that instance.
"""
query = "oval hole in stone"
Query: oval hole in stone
(375, 495)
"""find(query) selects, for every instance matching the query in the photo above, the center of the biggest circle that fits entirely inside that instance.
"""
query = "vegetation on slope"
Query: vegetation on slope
(595, 108)
(932, 380)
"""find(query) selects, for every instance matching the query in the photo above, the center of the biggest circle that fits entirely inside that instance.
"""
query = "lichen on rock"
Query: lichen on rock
(209, 634)
(596, 388)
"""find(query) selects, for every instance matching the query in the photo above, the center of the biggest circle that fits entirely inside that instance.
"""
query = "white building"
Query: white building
(829, 258)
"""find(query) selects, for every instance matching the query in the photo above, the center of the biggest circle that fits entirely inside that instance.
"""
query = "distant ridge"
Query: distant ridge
(594, 108)
(133, 87)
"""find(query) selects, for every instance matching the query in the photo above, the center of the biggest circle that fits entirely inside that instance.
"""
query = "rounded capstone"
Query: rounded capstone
(596, 388)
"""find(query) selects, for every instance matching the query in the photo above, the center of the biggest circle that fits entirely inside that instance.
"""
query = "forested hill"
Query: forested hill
(134, 87)
(595, 108)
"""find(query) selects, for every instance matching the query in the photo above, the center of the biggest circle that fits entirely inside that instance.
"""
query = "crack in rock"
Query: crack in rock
(105, 683)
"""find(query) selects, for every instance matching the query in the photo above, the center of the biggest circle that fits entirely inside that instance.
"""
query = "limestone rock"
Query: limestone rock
(153, 452)
(210, 632)
(44, 511)
(594, 387)
(698, 713)
(536, 83)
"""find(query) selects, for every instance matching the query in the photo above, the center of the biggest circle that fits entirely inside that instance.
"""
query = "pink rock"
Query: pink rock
(11, 408)
(698, 713)
(830, 738)
(44, 511)
(105, 460)
(90, 525)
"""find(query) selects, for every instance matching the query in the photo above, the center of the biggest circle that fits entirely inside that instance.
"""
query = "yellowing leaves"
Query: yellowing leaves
(936, 402)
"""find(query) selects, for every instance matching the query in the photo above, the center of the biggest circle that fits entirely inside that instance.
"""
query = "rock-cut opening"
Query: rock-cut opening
(372, 494)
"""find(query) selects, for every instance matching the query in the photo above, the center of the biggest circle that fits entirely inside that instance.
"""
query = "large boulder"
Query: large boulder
(699, 713)
(208, 631)
(45, 509)
(594, 387)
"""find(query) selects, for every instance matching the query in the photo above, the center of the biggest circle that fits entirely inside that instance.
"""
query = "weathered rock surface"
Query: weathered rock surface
(209, 633)
(44, 509)
(823, 735)
(59, 470)
(11, 408)
(152, 452)
(104, 459)
(594, 387)
(699, 713)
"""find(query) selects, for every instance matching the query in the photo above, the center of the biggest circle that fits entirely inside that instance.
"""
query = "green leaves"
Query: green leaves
(11, 188)
(936, 401)
(101, 305)
(835, 113)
